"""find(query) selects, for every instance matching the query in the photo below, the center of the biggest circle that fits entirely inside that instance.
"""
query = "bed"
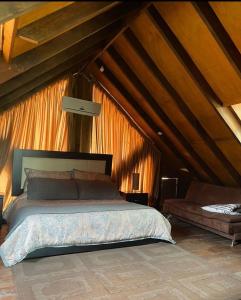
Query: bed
(82, 214)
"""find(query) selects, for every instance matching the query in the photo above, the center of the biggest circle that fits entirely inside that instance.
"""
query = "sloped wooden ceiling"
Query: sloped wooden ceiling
(42, 40)
(176, 69)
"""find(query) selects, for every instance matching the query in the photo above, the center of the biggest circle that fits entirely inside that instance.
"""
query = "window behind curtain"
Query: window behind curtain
(132, 153)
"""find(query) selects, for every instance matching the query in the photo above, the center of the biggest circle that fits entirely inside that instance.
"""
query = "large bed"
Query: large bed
(96, 217)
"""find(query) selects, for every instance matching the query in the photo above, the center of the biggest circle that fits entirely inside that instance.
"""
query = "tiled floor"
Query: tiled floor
(197, 241)
(7, 288)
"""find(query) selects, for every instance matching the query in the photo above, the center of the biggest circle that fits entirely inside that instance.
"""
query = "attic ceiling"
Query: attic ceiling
(175, 67)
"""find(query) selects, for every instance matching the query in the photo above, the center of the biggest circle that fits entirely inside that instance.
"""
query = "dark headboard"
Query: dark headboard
(56, 160)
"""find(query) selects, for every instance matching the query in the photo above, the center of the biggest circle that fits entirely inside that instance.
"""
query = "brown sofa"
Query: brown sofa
(201, 194)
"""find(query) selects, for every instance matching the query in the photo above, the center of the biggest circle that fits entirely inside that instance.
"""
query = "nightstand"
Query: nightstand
(139, 198)
(1, 208)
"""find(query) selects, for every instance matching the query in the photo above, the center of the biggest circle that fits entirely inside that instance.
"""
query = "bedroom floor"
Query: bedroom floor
(191, 241)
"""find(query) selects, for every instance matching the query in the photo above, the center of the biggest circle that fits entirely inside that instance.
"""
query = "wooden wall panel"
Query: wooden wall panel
(196, 38)
(176, 72)
(171, 109)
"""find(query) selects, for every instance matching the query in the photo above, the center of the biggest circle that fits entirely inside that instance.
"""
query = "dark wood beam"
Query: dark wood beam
(165, 30)
(63, 20)
(40, 54)
(111, 77)
(188, 63)
(44, 79)
(194, 122)
(15, 85)
(219, 32)
(129, 17)
(12, 9)
(162, 115)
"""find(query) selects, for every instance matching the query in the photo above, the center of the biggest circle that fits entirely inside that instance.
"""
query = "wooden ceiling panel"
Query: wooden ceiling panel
(169, 106)
(150, 110)
(167, 61)
(229, 14)
(173, 157)
(42, 11)
(61, 21)
(12, 9)
(199, 42)
(40, 54)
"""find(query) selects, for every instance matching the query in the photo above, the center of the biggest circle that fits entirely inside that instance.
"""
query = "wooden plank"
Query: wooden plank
(9, 33)
(40, 54)
(161, 114)
(129, 17)
(20, 45)
(12, 9)
(220, 34)
(144, 116)
(204, 50)
(229, 15)
(208, 150)
(62, 21)
(178, 69)
(173, 163)
(83, 46)
(45, 79)
(42, 11)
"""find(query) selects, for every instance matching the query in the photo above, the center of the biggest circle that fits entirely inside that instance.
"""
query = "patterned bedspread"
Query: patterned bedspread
(38, 224)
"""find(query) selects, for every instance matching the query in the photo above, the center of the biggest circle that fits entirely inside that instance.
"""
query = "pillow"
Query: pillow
(97, 190)
(85, 175)
(51, 189)
(32, 173)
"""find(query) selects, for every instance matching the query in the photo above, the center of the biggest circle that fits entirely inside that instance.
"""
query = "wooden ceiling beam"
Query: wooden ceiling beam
(172, 161)
(111, 77)
(194, 122)
(188, 63)
(63, 20)
(129, 17)
(6, 89)
(165, 30)
(11, 9)
(43, 80)
(40, 54)
(142, 89)
(9, 34)
(220, 34)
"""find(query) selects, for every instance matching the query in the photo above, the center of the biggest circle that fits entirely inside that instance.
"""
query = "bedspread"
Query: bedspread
(72, 223)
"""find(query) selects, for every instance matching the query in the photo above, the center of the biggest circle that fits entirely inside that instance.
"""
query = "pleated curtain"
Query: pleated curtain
(37, 123)
(113, 133)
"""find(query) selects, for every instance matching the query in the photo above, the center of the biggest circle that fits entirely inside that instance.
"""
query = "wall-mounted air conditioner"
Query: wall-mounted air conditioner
(79, 106)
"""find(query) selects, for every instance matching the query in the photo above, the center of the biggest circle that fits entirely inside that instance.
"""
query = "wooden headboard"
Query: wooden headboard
(55, 161)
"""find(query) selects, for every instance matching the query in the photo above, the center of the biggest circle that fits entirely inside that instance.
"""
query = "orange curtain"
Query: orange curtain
(37, 123)
(112, 133)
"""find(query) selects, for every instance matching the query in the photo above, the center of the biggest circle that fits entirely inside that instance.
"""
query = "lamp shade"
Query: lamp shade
(135, 181)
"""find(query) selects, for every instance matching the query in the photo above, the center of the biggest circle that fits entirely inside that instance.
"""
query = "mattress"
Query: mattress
(36, 224)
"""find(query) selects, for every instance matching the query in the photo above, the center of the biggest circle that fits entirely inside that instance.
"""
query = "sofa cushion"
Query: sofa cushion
(195, 208)
(205, 193)
(193, 212)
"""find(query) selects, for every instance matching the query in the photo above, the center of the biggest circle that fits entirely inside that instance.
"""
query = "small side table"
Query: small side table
(139, 198)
